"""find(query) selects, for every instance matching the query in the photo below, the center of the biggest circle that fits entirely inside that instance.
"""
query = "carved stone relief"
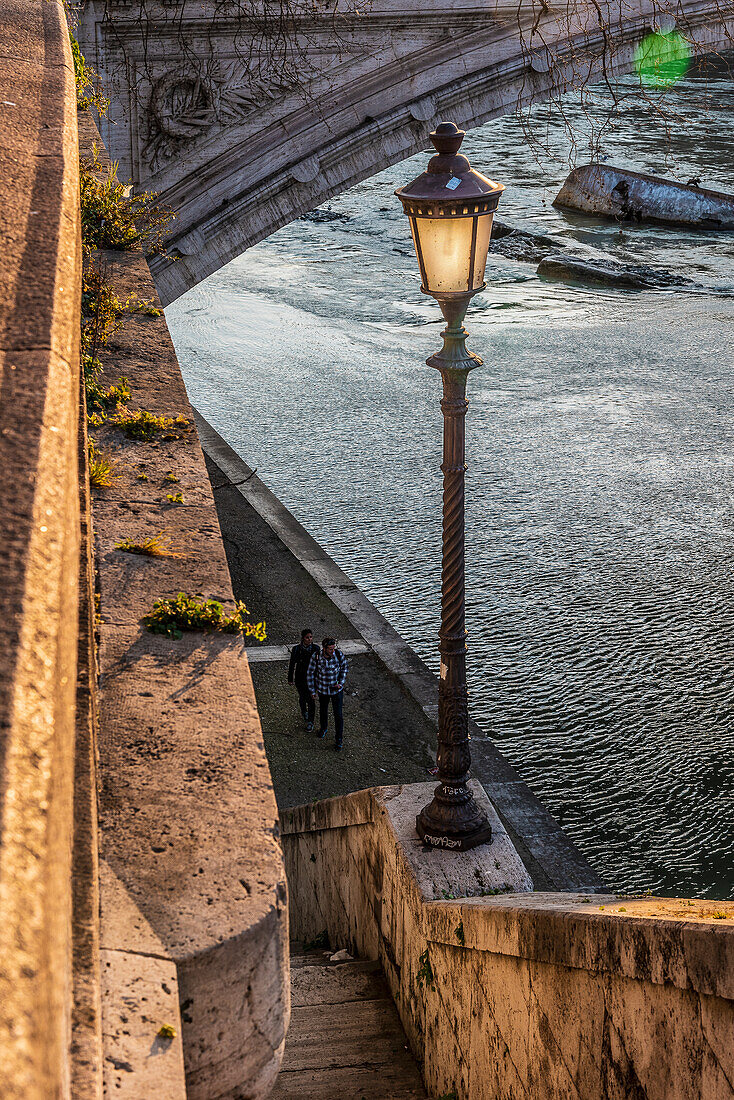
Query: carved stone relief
(184, 107)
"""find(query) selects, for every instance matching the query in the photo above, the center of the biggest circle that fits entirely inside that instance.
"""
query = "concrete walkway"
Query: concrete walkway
(391, 699)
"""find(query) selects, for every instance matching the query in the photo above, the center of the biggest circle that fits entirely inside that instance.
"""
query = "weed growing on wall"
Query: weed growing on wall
(101, 312)
(424, 976)
(155, 546)
(101, 316)
(145, 306)
(102, 473)
(87, 81)
(181, 613)
(100, 304)
(101, 400)
(113, 217)
(144, 425)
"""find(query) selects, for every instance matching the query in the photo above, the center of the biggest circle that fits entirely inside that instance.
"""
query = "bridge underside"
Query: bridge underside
(245, 118)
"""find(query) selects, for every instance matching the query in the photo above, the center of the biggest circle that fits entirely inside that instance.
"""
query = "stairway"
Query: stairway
(345, 1040)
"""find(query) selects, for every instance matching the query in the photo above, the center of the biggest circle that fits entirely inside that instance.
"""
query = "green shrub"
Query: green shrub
(181, 613)
(101, 314)
(144, 305)
(424, 975)
(87, 92)
(98, 298)
(101, 400)
(114, 218)
(145, 425)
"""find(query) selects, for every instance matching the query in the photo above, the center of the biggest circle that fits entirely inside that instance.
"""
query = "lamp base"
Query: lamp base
(438, 827)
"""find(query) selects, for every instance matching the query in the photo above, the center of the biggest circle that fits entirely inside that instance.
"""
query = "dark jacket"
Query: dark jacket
(300, 659)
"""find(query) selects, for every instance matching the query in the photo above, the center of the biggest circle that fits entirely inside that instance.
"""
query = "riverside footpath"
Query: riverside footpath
(390, 703)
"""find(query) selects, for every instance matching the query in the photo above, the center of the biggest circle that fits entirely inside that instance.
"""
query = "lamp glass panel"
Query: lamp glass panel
(484, 232)
(445, 244)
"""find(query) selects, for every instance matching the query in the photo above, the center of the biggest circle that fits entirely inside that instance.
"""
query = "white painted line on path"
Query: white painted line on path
(259, 653)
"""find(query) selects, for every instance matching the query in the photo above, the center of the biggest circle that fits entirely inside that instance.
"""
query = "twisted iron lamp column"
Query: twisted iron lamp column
(453, 818)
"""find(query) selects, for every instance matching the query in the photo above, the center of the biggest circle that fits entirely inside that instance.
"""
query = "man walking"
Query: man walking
(326, 676)
(301, 655)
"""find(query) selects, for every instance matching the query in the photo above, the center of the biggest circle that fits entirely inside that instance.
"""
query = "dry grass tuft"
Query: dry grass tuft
(155, 546)
(102, 469)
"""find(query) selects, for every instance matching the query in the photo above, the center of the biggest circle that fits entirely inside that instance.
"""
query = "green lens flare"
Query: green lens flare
(662, 59)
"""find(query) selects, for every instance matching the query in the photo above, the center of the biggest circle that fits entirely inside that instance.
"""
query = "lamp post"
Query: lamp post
(450, 207)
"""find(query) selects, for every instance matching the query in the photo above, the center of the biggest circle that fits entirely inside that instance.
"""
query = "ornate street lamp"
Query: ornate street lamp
(450, 207)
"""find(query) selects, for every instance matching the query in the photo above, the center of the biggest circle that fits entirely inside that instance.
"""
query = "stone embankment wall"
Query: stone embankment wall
(523, 994)
(40, 273)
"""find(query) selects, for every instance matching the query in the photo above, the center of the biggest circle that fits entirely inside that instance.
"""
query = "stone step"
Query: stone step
(345, 1040)
(355, 1033)
(341, 984)
(349, 1083)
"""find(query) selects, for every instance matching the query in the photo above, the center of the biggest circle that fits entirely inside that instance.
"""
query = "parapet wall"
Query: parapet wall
(40, 273)
(192, 894)
(518, 995)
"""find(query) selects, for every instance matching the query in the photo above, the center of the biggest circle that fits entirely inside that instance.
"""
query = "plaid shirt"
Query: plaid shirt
(326, 675)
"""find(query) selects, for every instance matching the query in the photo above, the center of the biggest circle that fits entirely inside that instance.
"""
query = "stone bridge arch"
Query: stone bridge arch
(239, 146)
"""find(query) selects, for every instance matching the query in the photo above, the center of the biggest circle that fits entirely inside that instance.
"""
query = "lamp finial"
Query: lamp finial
(447, 138)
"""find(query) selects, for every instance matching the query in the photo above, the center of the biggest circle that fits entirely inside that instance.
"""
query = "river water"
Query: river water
(600, 522)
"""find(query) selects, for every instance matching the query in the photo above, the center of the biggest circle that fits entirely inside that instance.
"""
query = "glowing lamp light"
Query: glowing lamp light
(450, 207)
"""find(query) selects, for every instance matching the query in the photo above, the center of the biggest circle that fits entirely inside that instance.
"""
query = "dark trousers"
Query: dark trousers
(337, 703)
(305, 701)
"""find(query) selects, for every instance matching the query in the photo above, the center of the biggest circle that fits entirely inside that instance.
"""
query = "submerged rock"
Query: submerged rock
(631, 196)
(319, 215)
(577, 269)
(517, 244)
(501, 229)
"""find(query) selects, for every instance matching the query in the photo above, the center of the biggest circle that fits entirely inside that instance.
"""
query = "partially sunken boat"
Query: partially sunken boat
(631, 196)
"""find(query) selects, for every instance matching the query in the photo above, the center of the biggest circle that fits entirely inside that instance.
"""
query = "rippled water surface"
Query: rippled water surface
(601, 481)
